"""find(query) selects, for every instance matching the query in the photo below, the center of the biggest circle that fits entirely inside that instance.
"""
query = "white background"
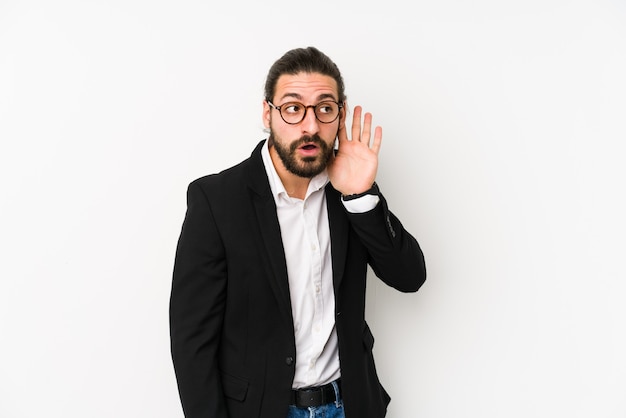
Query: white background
(504, 125)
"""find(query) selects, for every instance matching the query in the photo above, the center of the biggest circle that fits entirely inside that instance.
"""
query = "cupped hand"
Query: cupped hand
(353, 169)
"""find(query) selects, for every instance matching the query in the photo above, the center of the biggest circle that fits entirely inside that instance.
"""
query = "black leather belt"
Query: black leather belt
(316, 396)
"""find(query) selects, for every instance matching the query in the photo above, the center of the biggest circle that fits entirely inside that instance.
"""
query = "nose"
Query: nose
(310, 124)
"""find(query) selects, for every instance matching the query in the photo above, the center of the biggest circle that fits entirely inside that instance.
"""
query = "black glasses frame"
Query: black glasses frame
(306, 108)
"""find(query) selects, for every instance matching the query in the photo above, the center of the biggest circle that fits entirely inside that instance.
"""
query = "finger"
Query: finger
(378, 139)
(356, 123)
(367, 129)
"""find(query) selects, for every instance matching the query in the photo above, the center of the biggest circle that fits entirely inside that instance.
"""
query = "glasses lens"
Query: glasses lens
(327, 112)
(292, 112)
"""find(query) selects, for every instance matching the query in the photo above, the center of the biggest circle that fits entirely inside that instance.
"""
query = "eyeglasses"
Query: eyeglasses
(294, 112)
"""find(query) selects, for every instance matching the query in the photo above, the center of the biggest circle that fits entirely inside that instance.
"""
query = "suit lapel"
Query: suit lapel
(269, 228)
(339, 231)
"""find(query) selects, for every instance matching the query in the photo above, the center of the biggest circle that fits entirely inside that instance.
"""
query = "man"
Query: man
(268, 295)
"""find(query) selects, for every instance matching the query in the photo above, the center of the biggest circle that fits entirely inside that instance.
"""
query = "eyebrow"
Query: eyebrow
(299, 97)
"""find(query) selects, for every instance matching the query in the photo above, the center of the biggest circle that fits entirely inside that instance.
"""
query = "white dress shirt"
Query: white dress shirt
(306, 241)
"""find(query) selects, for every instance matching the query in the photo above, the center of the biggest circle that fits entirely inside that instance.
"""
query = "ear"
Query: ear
(266, 114)
(343, 114)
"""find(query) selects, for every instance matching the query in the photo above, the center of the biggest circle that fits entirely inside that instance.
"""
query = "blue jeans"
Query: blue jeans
(330, 410)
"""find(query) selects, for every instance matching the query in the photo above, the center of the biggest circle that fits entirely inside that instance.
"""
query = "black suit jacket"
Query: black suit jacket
(232, 334)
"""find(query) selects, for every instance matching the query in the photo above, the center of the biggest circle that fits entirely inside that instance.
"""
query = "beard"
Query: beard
(307, 167)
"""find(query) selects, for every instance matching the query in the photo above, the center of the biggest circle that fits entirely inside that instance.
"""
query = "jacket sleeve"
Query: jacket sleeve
(394, 254)
(197, 304)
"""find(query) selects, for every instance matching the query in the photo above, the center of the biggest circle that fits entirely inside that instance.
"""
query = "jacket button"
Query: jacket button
(289, 361)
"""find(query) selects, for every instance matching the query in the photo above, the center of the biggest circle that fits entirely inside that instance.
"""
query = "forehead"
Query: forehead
(303, 86)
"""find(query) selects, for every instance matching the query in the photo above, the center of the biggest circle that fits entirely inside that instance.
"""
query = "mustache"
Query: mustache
(309, 139)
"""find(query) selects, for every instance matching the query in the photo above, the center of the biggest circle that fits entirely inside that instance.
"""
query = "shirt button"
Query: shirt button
(289, 361)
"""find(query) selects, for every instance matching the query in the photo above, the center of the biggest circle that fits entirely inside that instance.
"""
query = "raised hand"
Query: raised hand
(353, 169)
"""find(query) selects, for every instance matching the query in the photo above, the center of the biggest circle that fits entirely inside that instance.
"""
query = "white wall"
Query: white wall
(504, 125)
